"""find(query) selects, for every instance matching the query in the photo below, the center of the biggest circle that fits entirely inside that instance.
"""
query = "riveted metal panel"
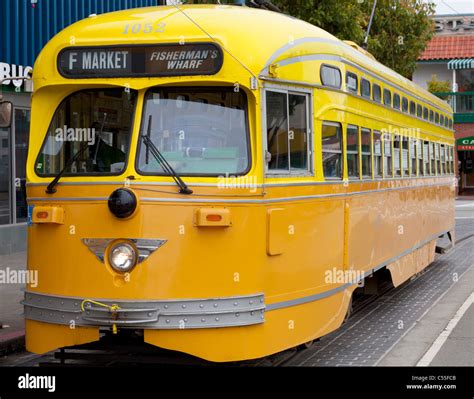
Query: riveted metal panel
(157, 315)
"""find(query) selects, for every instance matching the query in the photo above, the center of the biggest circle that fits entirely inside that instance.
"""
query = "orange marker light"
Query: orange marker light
(214, 218)
(42, 215)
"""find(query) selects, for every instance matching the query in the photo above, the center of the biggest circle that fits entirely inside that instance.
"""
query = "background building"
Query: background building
(26, 26)
(449, 58)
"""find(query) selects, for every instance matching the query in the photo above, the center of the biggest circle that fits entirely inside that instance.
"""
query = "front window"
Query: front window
(198, 131)
(95, 123)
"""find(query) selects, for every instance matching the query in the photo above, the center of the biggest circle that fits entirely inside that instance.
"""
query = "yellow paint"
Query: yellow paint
(278, 231)
(284, 249)
(45, 337)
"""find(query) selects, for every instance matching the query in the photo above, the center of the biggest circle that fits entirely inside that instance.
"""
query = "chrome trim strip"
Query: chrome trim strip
(289, 199)
(253, 201)
(288, 184)
(68, 199)
(350, 182)
(121, 183)
(150, 314)
(78, 183)
(325, 294)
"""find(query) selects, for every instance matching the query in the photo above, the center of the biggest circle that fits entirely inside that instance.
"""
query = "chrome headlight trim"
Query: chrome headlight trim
(145, 247)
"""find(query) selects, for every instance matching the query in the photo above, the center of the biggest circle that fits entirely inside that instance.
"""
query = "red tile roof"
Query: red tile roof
(447, 47)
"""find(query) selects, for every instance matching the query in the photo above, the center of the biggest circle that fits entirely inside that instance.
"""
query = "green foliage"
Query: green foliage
(400, 31)
(342, 18)
(438, 86)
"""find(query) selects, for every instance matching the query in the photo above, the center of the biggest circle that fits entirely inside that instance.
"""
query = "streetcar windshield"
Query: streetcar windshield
(199, 131)
(100, 120)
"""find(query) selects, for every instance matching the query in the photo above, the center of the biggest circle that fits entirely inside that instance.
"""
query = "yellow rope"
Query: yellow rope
(113, 309)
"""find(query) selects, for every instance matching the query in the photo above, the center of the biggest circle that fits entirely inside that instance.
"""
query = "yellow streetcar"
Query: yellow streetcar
(221, 179)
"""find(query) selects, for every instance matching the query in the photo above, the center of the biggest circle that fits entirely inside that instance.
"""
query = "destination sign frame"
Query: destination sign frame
(140, 60)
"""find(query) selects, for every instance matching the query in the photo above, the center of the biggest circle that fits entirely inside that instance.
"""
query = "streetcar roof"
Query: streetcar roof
(251, 38)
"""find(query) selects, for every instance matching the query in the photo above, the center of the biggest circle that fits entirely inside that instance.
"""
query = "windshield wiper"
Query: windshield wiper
(51, 186)
(50, 189)
(184, 189)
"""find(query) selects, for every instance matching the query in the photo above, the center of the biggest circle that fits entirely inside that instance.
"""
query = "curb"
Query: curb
(12, 342)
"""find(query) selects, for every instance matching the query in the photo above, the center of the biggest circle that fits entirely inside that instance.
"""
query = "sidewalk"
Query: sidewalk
(458, 347)
(12, 332)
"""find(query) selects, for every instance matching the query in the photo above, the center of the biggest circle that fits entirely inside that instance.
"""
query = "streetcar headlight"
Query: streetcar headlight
(122, 257)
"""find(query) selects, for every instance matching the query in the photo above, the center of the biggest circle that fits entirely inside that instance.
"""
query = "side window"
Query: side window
(441, 120)
(419, 110)
(413, 163)
(332, 149)
(450, 123)
(448, 160)
(405, 104)
(404, 159)
(426, 158)
(425, 113)
(451, 160)
(437, 118)
(412, 108)
(277, 131)
(352, 82)
(366, 151)
(443, 159)
(299, 132)
(353, 151)
(396, 101)
(377, 93)
(377, 154)
(419, 154)
(387, 155)
(387, 97)
(287, 132)
(396, 155)
(431, 115)
(432, 159)
(438, 159)
(365, 88)
(331, 76)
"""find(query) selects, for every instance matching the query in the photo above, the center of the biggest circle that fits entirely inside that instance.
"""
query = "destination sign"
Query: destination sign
(140, 61)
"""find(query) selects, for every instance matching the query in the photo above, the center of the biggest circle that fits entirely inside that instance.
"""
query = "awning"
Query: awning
(462, 63)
